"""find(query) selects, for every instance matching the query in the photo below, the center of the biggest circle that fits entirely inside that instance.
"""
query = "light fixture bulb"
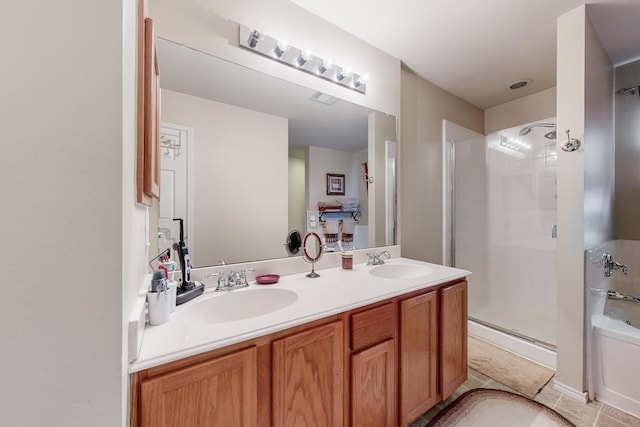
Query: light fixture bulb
(303, 58)
(254, 38)
(324, 67)
(280, 49)
(344, 74)
(357, 82)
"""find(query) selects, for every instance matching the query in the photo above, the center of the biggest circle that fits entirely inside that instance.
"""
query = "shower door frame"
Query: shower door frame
(449, 229)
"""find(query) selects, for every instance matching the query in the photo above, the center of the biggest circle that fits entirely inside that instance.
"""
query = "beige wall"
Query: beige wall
(212, 27)
(74, 238)
(584, 180)
(320, 162)
(538, 106)
(239, 179)
(627, 204)
(424, 107)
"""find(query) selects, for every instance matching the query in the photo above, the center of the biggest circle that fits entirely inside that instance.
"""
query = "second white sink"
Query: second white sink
(400, 271)
(237, 305)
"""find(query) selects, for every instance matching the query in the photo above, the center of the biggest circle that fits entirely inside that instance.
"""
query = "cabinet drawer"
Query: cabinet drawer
(372, 326)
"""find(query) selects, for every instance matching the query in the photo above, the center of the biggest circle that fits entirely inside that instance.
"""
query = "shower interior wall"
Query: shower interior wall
(505, 210)
(627, 153)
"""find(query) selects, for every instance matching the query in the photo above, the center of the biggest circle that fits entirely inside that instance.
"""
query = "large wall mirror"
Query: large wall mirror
(245, 158)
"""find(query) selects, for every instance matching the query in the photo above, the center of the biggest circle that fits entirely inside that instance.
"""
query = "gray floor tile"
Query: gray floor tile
(473, 382)
(479, 376)
(619, 415)
(579, 422)
(587, 412)
(606, 421)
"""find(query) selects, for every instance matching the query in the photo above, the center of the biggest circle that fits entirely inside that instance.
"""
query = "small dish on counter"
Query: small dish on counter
(267, 279)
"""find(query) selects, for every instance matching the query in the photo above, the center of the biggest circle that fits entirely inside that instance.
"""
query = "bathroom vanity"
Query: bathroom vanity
(362, 347)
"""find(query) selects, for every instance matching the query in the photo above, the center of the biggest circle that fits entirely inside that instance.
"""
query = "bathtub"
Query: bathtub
(613, 341)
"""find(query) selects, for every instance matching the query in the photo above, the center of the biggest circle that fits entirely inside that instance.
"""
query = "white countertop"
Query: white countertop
(335, 291)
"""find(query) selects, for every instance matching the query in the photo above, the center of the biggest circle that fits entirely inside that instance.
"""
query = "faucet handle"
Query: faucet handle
(243, 275)
(220, 276)
(371, 257)
(617, 265)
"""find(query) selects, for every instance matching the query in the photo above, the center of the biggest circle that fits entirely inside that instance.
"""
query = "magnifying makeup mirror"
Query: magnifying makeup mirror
(312, 251)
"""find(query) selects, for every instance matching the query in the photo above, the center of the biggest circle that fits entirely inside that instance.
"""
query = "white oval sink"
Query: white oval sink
(237, 305)
(400, 271)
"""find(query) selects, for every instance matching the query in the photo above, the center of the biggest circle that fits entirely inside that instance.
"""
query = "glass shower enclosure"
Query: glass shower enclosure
(501, 203)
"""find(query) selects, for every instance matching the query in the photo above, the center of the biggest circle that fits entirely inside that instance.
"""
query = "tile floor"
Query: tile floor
(592, 414)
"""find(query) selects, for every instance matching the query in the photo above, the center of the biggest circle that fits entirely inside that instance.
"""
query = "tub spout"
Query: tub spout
(622, 296)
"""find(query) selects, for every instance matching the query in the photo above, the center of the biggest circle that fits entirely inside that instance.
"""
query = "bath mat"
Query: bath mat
(513, 371)
(482, 407)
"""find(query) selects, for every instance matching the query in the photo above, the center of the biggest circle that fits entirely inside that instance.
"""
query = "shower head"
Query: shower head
(527, 129)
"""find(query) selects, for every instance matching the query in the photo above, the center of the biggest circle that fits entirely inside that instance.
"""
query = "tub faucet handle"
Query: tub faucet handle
(624, 267)
(609, 265)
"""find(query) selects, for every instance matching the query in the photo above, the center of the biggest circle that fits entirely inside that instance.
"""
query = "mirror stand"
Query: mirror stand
(312, 251)
(313, 274)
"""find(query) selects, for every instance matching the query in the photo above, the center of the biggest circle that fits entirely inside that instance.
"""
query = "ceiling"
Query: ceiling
(476, 48)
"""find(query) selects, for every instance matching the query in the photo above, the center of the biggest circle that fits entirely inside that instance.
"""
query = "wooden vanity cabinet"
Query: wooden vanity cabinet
(308, 378)
(218, 392)
(377, 366)
(453, 337)
(433, 348)
(373, 392)
(418, 355)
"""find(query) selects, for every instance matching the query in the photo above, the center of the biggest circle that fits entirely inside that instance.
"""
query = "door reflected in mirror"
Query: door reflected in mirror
(257, 151)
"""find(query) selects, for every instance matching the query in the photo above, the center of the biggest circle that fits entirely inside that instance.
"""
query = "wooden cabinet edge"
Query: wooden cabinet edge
(148, 113)
(447, 388)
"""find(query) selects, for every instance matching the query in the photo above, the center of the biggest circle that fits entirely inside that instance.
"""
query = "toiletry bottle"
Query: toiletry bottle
(158, 299)
(347, 260)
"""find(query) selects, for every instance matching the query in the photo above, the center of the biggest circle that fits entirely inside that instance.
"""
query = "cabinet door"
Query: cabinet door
(418, 356)
(219, 392)
(373, 386)
(308, 378)
(453, 337)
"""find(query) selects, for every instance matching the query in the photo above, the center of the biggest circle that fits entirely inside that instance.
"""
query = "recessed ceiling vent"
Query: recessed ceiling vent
(323, 98)
(520, 84)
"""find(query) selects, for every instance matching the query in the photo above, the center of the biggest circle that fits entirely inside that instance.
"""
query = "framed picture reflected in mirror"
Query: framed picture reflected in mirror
(335, 184)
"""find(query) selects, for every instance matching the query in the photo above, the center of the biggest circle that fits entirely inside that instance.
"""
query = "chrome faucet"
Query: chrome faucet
(375, 258)
(235, 279)
(609, 265)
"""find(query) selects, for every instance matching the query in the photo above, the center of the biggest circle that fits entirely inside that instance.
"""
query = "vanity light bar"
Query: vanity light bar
(292, 56)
